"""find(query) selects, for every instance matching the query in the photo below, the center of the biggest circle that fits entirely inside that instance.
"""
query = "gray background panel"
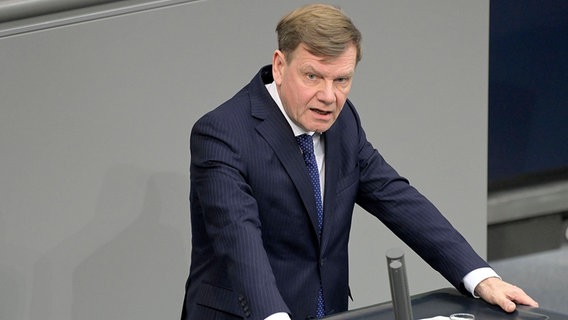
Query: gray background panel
(94, 143)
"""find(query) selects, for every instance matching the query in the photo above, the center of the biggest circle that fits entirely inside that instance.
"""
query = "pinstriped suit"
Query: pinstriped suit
(255, 249)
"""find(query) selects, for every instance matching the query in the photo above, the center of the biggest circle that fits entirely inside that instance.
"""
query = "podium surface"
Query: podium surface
(444, 302)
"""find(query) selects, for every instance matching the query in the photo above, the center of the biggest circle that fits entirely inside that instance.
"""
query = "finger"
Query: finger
(507, 305)
(522, 298)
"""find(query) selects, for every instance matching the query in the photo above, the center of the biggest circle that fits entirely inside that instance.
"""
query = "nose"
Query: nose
(326, 94)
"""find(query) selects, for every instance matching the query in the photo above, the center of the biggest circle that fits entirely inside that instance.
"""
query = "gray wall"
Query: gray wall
(94, 125)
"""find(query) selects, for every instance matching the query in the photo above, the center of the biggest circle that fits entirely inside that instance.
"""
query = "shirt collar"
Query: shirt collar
(271, 87)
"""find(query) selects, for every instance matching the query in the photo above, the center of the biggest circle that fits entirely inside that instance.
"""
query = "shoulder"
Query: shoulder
(239, 108)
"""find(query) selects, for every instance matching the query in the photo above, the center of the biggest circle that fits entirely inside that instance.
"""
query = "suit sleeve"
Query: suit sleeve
(412, 217)
(230, 214)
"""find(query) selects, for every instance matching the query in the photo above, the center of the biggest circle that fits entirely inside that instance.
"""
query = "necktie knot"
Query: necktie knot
(307, 146)
(306, 143)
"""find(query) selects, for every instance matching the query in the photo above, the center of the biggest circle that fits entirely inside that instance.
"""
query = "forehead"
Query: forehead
(343, 64)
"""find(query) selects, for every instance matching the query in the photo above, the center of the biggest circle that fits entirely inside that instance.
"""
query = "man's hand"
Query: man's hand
(503, 294)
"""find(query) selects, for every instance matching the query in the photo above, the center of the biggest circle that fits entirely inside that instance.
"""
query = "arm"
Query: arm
(418, 223)
(414, 219)
(223, 199)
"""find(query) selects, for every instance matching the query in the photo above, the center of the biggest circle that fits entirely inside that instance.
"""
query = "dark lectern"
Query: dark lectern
(444, 302)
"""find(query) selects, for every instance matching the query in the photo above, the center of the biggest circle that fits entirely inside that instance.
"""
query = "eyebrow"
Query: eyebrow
(311, 69)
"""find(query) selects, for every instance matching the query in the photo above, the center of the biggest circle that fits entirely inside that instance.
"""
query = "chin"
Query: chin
(318, 127)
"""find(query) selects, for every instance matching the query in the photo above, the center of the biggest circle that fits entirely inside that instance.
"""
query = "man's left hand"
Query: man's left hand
(503, 294)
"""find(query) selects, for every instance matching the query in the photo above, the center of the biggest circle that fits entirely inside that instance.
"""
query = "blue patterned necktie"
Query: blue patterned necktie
(306, 144)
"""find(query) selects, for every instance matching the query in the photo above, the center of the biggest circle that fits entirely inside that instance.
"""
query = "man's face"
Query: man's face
(313, 89)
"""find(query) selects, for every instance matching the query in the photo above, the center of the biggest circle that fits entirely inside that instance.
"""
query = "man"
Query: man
(271, 218)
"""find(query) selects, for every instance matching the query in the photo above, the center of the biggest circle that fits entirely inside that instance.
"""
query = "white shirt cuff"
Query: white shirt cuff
(279, 316)
(472, 279)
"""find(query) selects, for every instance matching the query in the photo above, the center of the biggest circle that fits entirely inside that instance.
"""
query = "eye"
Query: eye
(342, 80)
(311, 76)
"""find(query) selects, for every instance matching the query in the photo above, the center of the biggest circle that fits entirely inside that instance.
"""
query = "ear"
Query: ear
(278, 66)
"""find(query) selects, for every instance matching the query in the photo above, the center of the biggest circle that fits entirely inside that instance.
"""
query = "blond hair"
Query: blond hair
(324, 29)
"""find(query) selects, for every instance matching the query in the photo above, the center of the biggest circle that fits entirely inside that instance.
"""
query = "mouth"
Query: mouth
(320, 112)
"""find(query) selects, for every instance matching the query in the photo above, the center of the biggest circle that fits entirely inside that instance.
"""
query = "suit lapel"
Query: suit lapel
(277, 132)
(332, 165)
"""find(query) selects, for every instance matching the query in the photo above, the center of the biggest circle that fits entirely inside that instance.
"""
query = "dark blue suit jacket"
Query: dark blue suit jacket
(255, 249)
